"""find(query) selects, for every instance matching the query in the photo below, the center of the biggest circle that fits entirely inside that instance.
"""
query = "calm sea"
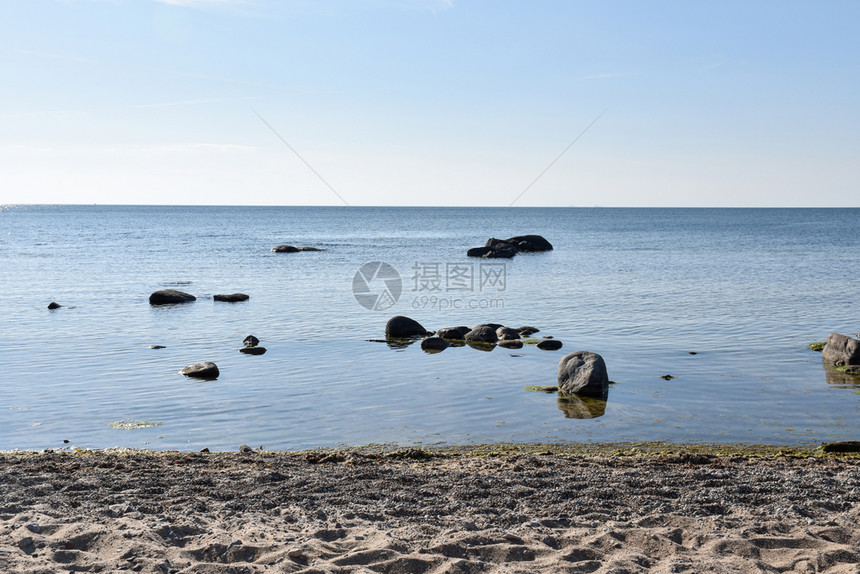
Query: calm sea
(744, 289)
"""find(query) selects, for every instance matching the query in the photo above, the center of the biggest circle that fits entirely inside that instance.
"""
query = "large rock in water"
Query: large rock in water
(483, 334)
(170, 296)
(495, 248)
(231, 298)
(204, 370)
(530, 243)
(402, 327)
(453, 332)
(292, 249)
(583, 373)
(841, 350)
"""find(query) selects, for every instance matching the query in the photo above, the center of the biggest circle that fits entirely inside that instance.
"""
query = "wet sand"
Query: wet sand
(481, 509)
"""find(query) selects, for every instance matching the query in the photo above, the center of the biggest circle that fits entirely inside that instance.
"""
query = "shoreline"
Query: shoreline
(649, 507)
(621, 448)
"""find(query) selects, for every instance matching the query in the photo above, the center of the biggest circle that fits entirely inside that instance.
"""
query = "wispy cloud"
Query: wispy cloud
(710, 67)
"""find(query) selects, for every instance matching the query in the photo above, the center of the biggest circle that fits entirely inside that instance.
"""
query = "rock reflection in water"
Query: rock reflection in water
(576, 407)
(838, 378)
(478, 346)
(397, 343)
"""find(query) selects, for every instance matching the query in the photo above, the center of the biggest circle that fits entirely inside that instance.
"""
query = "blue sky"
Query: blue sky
(430, 102)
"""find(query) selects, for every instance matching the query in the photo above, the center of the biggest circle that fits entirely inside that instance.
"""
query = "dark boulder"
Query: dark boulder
(507, 248)
(54, 305)
(549, 345)
(841, 350)
(292, 249)
(434, 344)
(403, 327)
(507, 334)
(482, 334)
(251, 341)
(284, 249)
(478, 251)
(204, 370)
(170, 297)
(528, 331)
(253, 350)
(583, 373)
(231, 298)
(530, 243)
(495, 248)
(453, 332)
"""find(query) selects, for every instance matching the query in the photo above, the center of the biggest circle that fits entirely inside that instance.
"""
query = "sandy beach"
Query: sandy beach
(482, 509)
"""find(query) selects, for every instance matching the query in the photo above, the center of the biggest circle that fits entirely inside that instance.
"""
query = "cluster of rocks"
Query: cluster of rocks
(174, 296)
(207, 370)
(581, 373)
(252, 346)
(507, 248)
(487, 334)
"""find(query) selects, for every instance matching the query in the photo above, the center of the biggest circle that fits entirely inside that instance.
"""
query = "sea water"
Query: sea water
(724, 301)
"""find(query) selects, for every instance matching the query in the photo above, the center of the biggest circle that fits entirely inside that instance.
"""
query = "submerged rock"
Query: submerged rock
(583, 373)
(231, 298)
(549, 345)
(170, 297)
(841, 350)
(542, 388)
(203, 370)
(511, 344)
(404, 327)
(528, 331)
